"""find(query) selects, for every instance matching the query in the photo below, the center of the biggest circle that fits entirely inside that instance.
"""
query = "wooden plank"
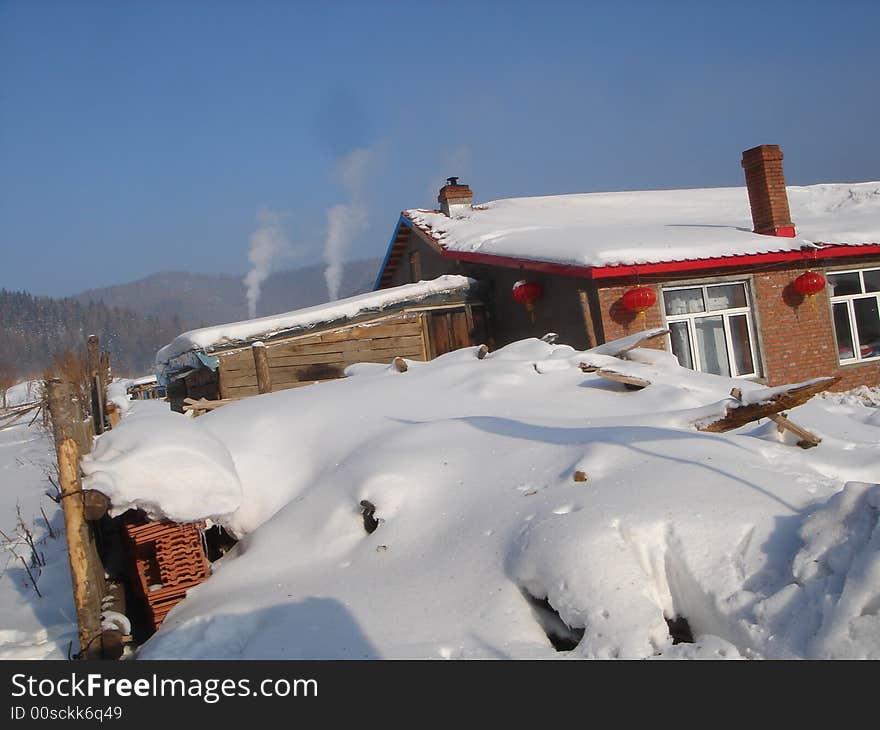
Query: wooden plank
(807, 438)
(440, 333)
(628, 380)
(461, 333)
(404, 326)
(240, 391)
(621, 346)
(427, 349)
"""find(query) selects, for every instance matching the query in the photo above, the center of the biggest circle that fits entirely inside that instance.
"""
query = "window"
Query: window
(855, 296)
(710, 328)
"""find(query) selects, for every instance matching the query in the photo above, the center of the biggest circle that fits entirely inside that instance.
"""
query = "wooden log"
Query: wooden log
(739, 413)
(65, 413)
(87, 593)
(400, 364)
(95, 504)
(588, 318)
(482, 351)
(261, 363)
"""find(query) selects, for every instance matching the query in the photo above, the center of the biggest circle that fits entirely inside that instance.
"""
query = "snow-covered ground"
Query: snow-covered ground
(32, 626)
(766, 549)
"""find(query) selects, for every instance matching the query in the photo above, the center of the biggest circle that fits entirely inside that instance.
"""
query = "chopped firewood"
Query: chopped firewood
(631, 381)
(400, 364)
(482, 352)
(739, 413)
(580, 476)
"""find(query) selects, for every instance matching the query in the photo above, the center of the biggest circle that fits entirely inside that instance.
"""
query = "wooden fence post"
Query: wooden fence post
(95, 384)
(261, 363)
(86, 569)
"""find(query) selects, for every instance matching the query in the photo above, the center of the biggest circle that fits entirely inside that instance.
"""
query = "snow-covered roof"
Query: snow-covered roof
(207, 339)
(654, 226)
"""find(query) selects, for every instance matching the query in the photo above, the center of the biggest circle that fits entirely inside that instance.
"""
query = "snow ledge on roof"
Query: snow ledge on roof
(654, 226)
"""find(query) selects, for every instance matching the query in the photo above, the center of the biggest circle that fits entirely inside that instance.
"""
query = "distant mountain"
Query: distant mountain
(200, 300)
(136, 319)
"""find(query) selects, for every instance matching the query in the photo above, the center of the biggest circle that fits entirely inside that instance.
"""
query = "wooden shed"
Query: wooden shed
(417, 321)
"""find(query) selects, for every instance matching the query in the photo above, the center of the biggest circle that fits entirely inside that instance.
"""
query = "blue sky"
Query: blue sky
(145, 136)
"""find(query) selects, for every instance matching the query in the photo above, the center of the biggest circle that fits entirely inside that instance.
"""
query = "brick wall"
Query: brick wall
(619, 322)
(795, 336)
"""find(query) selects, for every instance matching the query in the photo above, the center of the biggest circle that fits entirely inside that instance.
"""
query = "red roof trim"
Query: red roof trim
(605, 272)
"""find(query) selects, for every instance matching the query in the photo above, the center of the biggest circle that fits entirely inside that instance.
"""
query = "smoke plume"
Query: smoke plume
(345, 220)
(267, 244)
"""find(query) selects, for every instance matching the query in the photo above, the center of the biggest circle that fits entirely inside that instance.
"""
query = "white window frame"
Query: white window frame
(725, 314)
(848, 299)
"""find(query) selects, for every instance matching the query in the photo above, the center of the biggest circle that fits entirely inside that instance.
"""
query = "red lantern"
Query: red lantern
(639, 299)
(527, 293)
(809, 284)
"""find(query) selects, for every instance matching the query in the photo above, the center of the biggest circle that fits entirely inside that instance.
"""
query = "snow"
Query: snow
(768, 550)
(32, 626)
(118, 390)
(164, 463)
(22, 393)
(607, 229)
(264, 327)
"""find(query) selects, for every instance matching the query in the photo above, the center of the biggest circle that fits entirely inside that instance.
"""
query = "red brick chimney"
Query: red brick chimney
(767, 196)
(455, 199)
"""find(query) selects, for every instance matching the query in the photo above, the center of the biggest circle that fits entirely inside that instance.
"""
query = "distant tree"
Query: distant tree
(8, 375)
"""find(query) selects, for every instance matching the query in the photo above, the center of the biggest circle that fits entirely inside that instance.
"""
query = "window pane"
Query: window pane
(843, 284)
(867, 326)
(683, 301)
(742, 350)
(681, 343)
(711, 345)
(728, 296)
(872, 280)
(841, 328)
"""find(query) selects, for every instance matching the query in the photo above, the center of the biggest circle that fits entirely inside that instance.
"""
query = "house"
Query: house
(145, 388)
(767, 282)
(418, 321)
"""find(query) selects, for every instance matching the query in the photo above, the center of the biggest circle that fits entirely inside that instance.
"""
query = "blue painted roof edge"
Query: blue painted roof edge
(402, 221)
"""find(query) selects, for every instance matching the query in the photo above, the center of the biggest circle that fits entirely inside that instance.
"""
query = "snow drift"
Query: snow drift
(488, 546)
(165, 464)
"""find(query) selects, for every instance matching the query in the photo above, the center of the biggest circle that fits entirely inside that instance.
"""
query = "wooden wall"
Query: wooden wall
(325, 355)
